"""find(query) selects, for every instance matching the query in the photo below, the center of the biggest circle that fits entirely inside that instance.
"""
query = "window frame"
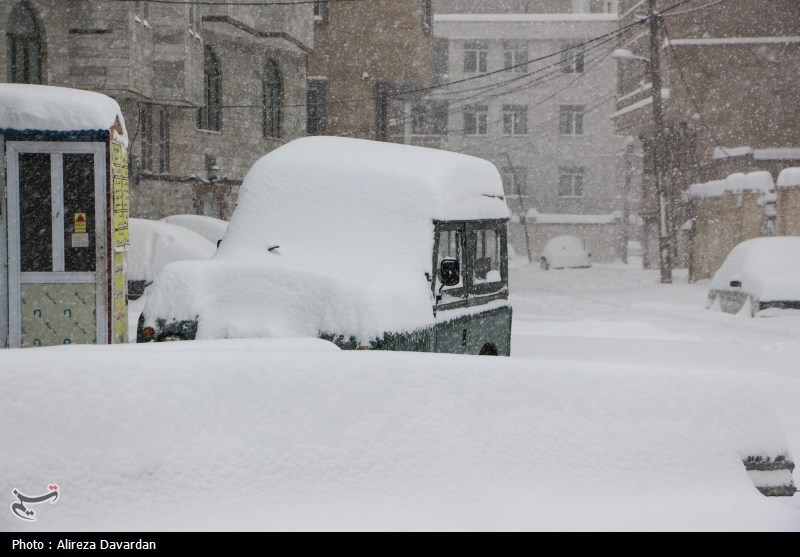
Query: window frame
(573, 58)
(476, 55)
(24, 48)
(515, 56)
(468, 252)
(570, 121)
(515, 119)
(480, 116)
(209, 116)
(272, 114)
(572, 172)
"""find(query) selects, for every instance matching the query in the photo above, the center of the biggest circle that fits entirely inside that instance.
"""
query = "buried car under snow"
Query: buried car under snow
(367, 244)
(758, 274)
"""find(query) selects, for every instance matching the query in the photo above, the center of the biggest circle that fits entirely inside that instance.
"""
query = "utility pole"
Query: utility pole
(522, 209)
(659, 149)
(626, 203)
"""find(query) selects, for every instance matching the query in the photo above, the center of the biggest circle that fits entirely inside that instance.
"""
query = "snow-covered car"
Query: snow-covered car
(210, 228)
(154, 244)
(758, 274)
(563, 252)
(368, 244)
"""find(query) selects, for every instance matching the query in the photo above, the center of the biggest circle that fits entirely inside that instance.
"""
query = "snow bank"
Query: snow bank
(154, 244)
(332, 235)
(789, 177)
(566, 251)
(46, 108)
(208, 227)
(190, 438)
(755, 182)
(768, 268)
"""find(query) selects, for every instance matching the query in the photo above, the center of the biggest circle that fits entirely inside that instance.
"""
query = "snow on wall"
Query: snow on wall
(789, 177)
(563, 218)
(353, 222)
(759, 181)
(198, 437)
(46, 108)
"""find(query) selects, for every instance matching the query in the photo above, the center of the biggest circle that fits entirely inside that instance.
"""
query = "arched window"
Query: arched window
(24, 46)
(272, 100)
(210, 114)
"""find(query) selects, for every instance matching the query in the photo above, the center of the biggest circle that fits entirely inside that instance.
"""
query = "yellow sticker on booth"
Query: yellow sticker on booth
(80, 223)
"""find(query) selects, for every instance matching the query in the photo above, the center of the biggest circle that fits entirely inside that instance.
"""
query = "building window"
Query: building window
(427, 16)
(515, 181)
(142, 9)
(515, 119)
(429, 118)
(571, 120)
(515, 56)
(441, 56)
(572, 59)
(475, 56)
(272, 100)
(163, 140)
(23, 47)
(570, 182)
(145, 136)
(321, 12)
(475, 120)
(315, 107)
(210, 114)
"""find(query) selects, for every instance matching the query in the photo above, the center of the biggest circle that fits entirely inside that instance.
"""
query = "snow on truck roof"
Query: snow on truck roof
(359, 199)
(58, 109)
(329, 235)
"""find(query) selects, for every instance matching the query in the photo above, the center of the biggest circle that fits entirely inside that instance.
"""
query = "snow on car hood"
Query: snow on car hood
(269, 299)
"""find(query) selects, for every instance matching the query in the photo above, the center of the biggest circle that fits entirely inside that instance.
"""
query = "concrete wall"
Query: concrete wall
(603, 241)
(720, 223)
(789, 211)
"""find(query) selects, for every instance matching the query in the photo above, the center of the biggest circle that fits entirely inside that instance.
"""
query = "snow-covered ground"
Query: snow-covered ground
(626, 405)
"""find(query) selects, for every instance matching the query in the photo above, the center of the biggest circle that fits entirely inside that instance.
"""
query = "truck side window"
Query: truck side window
(486, 266)
(449, 246)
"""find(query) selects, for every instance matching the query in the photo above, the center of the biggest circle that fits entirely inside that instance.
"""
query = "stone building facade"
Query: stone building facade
(366, 55)
(731, 91)
(544, 124)
(205, 89)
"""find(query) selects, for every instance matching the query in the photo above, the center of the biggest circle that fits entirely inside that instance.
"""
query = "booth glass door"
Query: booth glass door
(57, 243)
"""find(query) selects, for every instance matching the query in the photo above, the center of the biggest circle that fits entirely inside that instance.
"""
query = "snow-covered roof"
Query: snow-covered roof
(767, 154)
(58, 109)
(330, 235)
(154, 244)
(789, 177)
(755, 182)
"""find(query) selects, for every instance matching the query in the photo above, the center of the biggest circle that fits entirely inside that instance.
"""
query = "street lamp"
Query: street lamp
(654, 66)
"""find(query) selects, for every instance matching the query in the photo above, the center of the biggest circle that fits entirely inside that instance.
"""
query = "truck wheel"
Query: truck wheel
(488, 350)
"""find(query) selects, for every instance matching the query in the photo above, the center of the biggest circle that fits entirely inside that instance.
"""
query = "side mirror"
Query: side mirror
(736, 284)
(450, 272)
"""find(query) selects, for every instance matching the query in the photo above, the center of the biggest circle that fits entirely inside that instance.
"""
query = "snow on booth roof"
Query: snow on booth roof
(329, 235)
(755, 182)
(789, 177)
(58, 109)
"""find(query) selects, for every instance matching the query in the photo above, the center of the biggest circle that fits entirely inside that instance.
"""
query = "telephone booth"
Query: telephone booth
(64, 220)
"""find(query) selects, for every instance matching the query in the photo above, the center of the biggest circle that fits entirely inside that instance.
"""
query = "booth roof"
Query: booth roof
(58, 109)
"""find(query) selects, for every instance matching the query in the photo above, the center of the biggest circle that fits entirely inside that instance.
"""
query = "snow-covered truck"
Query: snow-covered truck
(367, 244)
